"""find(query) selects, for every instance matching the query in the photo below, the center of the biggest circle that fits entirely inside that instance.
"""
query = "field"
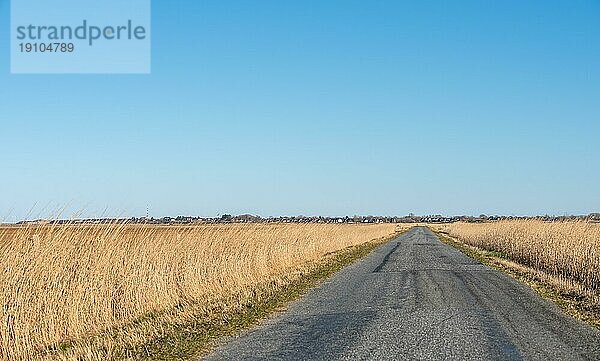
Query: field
(63, 284)
(568, 250)
(562, 255)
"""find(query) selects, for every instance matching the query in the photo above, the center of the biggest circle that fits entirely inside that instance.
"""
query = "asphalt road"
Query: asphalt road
(416, 298)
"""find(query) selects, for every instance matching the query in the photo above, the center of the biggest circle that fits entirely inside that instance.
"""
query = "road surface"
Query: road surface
(416, 298)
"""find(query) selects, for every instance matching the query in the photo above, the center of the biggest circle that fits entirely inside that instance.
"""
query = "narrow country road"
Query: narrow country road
(416, 298)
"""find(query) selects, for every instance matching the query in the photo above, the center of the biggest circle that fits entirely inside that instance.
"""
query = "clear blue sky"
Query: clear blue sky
(319, 107)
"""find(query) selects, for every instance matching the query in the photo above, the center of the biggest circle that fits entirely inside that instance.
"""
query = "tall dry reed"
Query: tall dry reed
(68, 282)
(568, 250)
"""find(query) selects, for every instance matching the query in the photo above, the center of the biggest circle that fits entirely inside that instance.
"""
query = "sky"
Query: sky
(318, 108)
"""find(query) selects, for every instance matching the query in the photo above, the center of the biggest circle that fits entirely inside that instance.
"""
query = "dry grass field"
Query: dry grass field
(71, 282)
(567, 251)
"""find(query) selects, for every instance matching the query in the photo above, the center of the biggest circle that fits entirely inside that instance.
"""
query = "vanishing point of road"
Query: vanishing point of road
(416, 298)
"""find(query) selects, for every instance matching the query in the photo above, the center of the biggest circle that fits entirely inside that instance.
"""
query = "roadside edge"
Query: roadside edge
(190, 331)
(580, 306)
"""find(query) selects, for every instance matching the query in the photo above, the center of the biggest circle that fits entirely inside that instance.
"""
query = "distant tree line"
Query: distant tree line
(248, 218)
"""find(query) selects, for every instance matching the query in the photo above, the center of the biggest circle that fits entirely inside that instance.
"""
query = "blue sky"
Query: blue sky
(319, 107)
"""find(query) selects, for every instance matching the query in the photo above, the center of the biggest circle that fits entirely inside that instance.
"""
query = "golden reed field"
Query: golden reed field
(568, 250)
(71, 282)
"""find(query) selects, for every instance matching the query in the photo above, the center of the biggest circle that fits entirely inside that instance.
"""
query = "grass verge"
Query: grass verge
(191, 330)
(571, 297)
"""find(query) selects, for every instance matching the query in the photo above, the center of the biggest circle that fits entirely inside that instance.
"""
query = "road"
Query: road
(416, 298)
